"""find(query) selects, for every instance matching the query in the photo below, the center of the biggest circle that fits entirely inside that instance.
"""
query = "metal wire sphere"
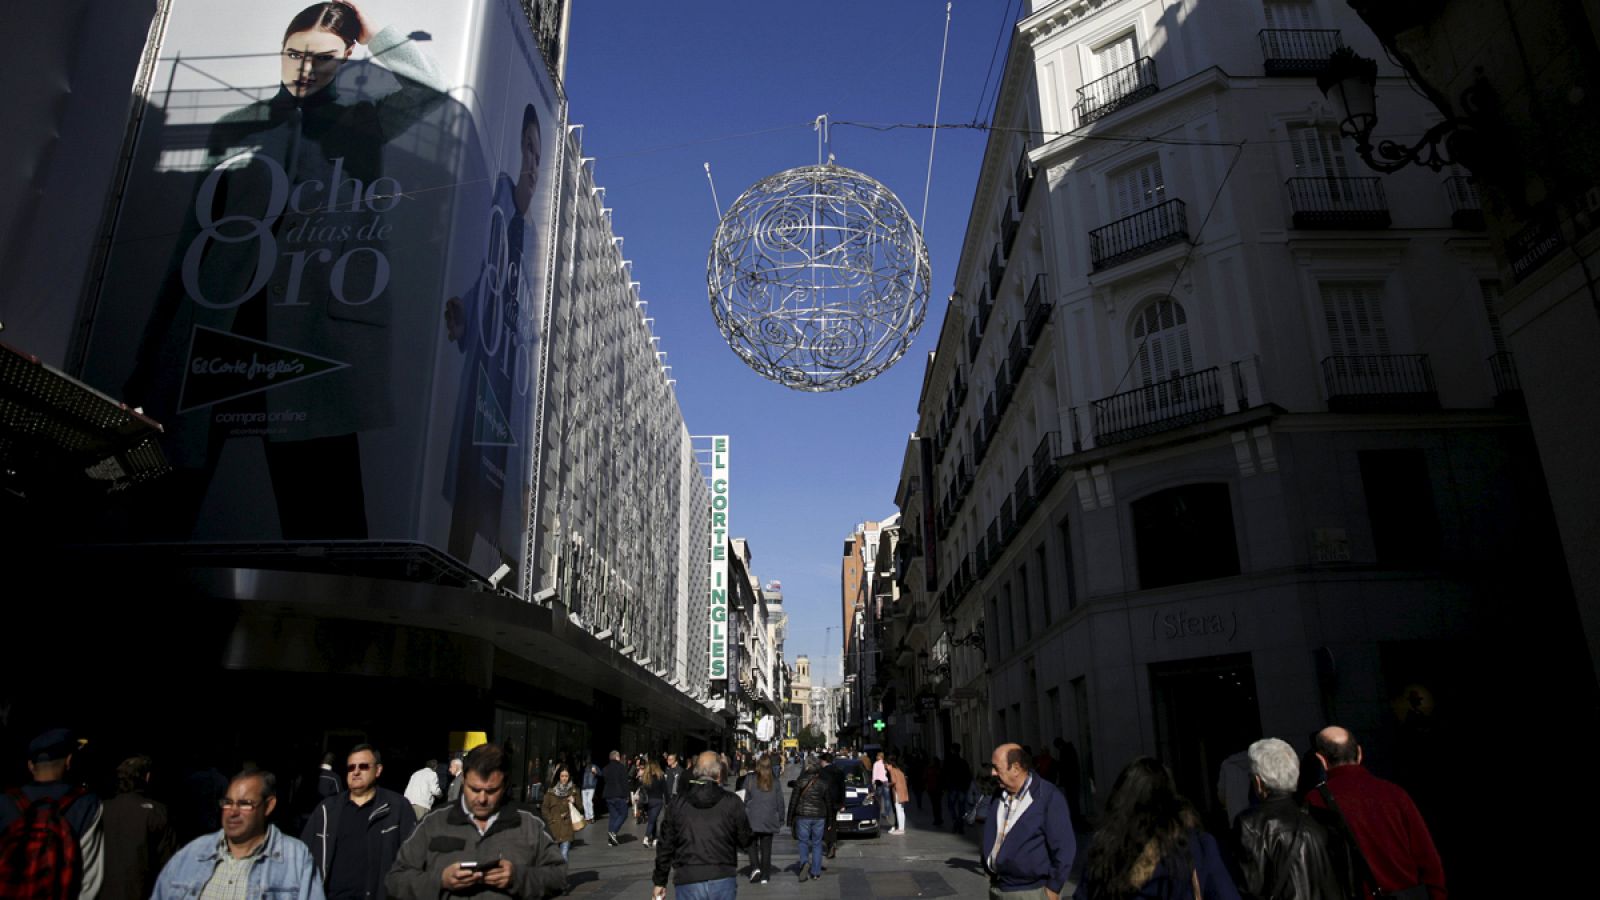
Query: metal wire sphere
(818, 278)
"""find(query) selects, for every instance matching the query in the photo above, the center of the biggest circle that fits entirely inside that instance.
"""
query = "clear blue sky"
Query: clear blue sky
(663, 88)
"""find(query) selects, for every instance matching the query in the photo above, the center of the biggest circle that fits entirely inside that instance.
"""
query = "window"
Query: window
(1405, 527)
(1064, 527)
(1138, 188)
(1115, 55)
(1290, 14)
(1185, 534)
(1353, 313)
(1161, 342)
(1026, 602)
(1318, 151)
(1040, 563)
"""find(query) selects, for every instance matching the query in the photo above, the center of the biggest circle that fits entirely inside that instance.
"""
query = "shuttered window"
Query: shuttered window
(1113, 56)
(1318, 151)
(1353, 312)
(1137, 188)
(1289, 14)
(1161, 342)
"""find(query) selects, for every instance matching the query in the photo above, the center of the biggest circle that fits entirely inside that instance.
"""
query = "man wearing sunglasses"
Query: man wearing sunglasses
(354, 836)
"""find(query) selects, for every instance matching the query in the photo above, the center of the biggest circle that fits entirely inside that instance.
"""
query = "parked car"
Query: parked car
(860, 815)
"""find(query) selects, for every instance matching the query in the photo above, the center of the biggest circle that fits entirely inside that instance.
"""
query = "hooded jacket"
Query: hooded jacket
(700, 835)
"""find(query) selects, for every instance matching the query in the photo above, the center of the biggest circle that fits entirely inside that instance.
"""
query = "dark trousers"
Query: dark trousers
(619, 813)
(655, 814)
(761, 853)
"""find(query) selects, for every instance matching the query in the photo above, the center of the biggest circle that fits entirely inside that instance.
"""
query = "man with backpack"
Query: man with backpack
(50, 835)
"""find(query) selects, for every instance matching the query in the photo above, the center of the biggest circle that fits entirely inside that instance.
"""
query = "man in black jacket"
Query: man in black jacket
(614, 790)
(700, 836)
(355, 835)
(1282, 851)
(833, 776)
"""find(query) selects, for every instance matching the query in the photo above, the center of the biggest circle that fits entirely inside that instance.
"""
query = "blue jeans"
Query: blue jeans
(565, 846)
(716, 889)
(810, 833)
(653, 808)
(957, 803)
(619, 812)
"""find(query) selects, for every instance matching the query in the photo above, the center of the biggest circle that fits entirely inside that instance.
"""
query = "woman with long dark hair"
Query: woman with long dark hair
(1150, 844)
(653, 785)
(763, 804)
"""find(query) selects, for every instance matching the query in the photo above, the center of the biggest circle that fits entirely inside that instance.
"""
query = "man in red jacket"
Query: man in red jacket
(1381, 817)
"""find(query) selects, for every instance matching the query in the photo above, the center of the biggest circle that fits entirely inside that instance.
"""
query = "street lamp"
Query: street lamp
(1351, 80)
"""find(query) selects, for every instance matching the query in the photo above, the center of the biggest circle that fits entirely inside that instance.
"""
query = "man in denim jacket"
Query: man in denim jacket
(248, 857)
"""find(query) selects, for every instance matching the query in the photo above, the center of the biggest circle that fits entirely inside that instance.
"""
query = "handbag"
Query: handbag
(1414, 892)
(576, 815)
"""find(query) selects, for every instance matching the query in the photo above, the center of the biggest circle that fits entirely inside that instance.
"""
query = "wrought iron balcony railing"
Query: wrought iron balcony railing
(1025, 501)
(1338, 202)
(1123, 87)
(1019, 351)
(1134, 236)
(974, 340)
(1297, 51)
(1466, 209)
(1036, 311)
(1165, 405)
(1008, 520)
(1045, 468)
(997, 269)
(1390, 383)
(1507, 383)
(991, 413)
(980, 443)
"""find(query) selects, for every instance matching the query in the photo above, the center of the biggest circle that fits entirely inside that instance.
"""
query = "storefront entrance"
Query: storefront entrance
(1205, 710)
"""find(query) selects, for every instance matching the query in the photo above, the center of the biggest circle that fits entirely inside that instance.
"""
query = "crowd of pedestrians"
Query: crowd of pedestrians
(456, 829)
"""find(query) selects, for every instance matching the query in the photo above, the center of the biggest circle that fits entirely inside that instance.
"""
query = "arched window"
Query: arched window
(1161, 342)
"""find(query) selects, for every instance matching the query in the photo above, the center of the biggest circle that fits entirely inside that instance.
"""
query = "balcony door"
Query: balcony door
(1290, 15)
(1357, 338)
(1319, 158)
(1162, 356)
(1118, 54)
(1138, 188)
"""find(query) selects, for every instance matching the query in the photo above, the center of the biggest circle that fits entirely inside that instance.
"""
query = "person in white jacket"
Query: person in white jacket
(423, 788)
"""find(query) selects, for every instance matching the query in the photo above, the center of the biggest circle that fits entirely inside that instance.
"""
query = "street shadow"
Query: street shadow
(964, 864)
(576, 878)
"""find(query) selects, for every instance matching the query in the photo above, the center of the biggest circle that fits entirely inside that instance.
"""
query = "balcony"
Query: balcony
(1004, 388)
(1466, 209)
(1008, 520)
(974, 339)
(1124, 87)
(991, 414)
(1391, 383)
(1022, 497)
(992, 540)
(1022, 179)
(997, 269)
(1019, 351)
(959, 390)
(1037, 310)
(1143, 232)
(1157, 407)
(1338, 203)
(980, 443)
(985, 307)
(1045, 468)
(1507, 383)
(1297, 51)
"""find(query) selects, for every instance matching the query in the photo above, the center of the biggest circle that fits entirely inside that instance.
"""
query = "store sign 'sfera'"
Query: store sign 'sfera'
(719, 558)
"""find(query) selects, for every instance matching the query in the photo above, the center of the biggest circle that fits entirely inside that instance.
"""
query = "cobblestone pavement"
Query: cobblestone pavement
(923, 862)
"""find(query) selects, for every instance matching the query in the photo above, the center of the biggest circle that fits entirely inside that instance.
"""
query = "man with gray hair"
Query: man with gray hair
(700, 836)
(1283, 853)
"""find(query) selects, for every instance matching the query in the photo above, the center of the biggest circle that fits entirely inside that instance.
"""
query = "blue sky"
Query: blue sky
(662, 89)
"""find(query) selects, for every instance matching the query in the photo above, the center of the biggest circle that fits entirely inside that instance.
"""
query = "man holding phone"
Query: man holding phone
(479, 846)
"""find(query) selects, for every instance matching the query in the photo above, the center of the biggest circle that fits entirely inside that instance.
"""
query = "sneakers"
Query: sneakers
(763, 879)
(611, 838)
(755, 875)
(805, 875)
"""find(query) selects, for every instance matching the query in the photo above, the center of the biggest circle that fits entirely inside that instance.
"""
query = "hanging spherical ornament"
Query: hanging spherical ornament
(818, 278)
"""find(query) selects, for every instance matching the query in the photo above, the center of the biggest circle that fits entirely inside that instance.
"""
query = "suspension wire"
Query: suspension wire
(1005, 28)
(1184, 263)
(938, 95)
(714, 203)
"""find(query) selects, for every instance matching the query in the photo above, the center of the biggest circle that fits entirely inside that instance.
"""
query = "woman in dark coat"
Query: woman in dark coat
(557, 807)
(763, 803)
(1150, 844)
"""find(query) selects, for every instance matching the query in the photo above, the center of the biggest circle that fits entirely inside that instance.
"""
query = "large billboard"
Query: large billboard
(329, 272)
(722, 647)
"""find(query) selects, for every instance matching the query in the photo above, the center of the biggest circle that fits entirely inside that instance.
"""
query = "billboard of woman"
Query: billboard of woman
(304, 285)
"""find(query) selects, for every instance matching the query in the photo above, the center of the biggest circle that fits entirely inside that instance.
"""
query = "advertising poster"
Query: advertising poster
(328, 273)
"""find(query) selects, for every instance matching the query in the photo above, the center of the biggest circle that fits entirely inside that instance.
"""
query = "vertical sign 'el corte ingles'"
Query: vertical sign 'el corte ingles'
(719, 560)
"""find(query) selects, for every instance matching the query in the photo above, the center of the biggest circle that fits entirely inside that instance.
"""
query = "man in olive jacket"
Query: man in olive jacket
(479, 846)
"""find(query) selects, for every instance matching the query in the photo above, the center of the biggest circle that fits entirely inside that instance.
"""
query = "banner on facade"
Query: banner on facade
(718, 606)
(328, 273)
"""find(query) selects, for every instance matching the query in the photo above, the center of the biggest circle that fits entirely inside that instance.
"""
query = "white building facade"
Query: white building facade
(1211, 453)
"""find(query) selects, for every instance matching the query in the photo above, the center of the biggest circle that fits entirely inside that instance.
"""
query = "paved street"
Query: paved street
(924, 862)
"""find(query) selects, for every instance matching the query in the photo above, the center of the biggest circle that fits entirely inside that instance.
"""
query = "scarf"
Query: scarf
(562, 790)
